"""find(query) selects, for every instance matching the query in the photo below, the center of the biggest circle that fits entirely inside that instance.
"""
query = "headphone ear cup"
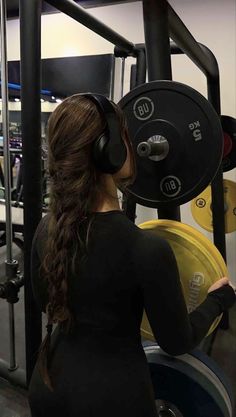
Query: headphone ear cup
(105, 155)
(99, 152)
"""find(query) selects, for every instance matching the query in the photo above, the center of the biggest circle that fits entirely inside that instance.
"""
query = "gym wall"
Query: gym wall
(212, 23)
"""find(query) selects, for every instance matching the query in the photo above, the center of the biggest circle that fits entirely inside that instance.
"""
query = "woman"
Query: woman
(94, 272)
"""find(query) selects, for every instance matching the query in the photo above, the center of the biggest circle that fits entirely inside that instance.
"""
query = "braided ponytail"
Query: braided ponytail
(76, 187)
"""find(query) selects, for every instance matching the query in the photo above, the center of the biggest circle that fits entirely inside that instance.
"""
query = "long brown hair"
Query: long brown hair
(75, 187)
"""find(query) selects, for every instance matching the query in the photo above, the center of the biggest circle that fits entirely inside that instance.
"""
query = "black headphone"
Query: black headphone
(109, 150)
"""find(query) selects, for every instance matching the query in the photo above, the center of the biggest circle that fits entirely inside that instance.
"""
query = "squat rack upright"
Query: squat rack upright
(30, 31)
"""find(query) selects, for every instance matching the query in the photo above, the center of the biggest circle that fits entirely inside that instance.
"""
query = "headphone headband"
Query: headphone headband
(108, 112)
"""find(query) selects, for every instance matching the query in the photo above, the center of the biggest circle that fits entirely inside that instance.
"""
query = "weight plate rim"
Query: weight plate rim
(212, 392)
(224, 122)
(193, 361)
(209, 113)
(215, 253)
(211, 364)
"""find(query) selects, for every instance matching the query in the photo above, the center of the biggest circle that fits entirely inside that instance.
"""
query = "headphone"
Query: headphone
(109, 150)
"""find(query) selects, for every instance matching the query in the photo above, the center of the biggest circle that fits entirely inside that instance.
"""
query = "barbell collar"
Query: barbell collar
(155, 148)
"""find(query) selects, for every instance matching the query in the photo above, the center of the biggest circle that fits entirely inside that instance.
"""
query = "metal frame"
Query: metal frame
(30, 31)
(30, 25)
(213, 89)
(10, 288)
(205, 60)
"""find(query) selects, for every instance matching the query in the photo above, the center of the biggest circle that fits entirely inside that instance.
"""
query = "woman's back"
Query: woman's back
(99, 368)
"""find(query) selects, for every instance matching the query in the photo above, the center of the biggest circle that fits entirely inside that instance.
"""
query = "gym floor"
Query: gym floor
(13, 400)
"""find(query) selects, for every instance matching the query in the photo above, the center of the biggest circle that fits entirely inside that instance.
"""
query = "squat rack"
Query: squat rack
(160, 21)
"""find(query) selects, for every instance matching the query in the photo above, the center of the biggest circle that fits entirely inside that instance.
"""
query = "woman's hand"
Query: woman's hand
(220, 283)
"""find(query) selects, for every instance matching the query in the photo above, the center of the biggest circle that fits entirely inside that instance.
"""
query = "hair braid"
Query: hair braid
(62, 246)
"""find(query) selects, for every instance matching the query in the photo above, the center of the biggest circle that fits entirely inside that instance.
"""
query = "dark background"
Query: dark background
(70, 75)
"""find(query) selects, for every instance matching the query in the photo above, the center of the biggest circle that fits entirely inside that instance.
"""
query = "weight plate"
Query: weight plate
(211, 364)
(199, 262)
(228, 144)
(202, 212)
(193, 383)
(181, 129)
(229, 127)
(191, 231)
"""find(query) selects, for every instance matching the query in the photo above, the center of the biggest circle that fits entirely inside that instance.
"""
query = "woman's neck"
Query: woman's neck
(108, 200)
(108, 206)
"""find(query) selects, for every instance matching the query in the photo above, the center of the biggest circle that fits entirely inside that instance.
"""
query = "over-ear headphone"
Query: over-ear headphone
(109, 150)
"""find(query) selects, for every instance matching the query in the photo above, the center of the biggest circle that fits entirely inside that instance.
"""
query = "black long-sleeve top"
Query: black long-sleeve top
(125, 271)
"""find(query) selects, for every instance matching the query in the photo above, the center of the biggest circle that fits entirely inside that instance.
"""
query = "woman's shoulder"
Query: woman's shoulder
(148, 241)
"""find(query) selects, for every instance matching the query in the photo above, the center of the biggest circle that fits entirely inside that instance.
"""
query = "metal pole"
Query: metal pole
(133, 76)
(72, 9)
(141, 66)
(122, 77)
(200, 57)
(7, 178)
(112, 83)
(30, 31)
(156, 29)
(185, 40)
(217, 185)
(5, 123)
(213, 89)
(218, 216)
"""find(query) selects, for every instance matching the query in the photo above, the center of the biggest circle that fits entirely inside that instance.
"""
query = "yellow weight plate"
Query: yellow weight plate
(199, 262)
(191, 231)
(201, 208)
(210, 247)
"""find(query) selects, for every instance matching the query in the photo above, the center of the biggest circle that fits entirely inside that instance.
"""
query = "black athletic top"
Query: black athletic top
(100, 368)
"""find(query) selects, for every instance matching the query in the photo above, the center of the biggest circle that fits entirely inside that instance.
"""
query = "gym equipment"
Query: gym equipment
(173, 129)
(190, 385)
(229, 128)
(172, 25)
(199, 262)
(14, 281)
(228, 144)
(201, 208)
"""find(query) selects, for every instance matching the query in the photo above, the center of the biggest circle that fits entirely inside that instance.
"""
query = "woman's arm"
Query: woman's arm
(175, 330)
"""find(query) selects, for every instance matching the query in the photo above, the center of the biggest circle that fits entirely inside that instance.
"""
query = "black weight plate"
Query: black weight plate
(189, 383)
(229, 126)
(193, 130)
(211, 364)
